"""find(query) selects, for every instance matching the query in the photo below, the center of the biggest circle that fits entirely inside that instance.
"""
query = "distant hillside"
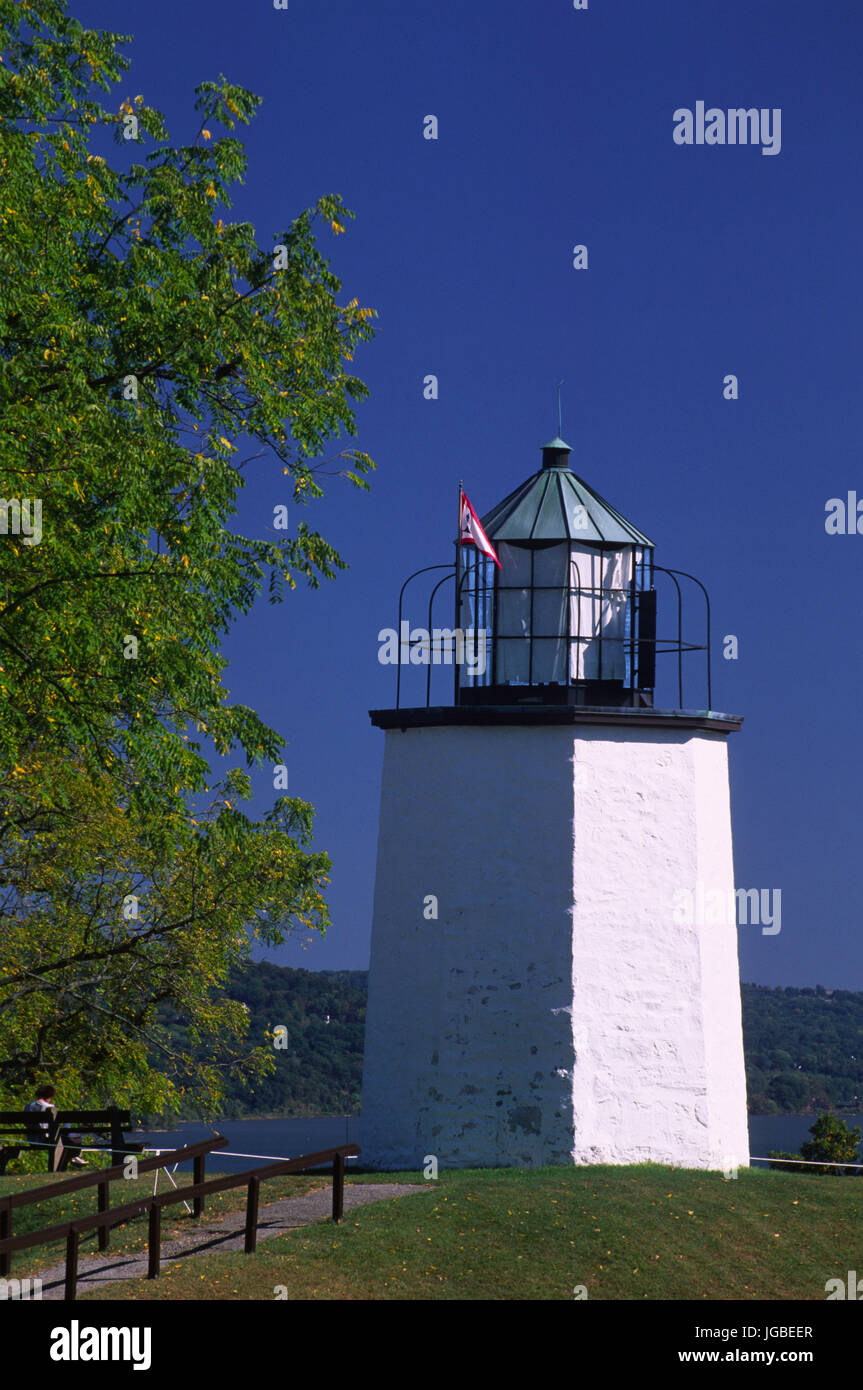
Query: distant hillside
(804, 1047)
(320, 1070)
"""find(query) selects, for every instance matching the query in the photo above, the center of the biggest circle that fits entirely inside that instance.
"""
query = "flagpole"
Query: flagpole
(458, 539)
(457, 605)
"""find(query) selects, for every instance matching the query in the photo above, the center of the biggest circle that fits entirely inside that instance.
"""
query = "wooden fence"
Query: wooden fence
(152, 1207)
(102, 1180)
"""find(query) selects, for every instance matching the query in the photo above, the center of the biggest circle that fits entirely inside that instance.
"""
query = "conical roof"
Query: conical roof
(544, 508)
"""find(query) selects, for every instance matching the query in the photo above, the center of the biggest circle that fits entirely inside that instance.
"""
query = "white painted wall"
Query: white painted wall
(554, 1012)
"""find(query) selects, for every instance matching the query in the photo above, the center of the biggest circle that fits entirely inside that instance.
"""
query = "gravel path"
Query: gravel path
(228, 1233)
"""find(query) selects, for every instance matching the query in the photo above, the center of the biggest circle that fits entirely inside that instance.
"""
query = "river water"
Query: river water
(288, 1138)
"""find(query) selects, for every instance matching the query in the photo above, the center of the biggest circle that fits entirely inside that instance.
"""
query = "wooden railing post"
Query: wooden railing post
(197, 1177)
(103, 1201)
(5, 1231)
(71, 1264)
(338, 1187)
(252, 1215)
(117, 1155)
(154, 1241)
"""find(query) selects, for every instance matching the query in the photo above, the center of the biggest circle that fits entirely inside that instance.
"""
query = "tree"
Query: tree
(115, 926)
(832, 1142)
(142, 340)
(789, 1090)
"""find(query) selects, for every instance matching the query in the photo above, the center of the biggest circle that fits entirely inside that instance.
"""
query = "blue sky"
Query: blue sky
(556, 129)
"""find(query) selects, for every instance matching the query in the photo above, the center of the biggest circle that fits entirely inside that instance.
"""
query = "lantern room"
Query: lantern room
(567, 616)
(570, 614)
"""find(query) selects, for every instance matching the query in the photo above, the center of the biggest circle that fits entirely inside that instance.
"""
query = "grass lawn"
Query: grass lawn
(645, 1232)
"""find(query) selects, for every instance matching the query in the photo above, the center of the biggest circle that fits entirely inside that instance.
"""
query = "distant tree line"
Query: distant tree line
(317, 1050)
(804, 1047)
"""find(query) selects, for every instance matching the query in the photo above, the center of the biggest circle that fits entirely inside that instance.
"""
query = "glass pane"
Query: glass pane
(466, 610)
(515, 565)
(549, 661)
(513, 612)
(549, 566)
(549, 612)
(512, 658)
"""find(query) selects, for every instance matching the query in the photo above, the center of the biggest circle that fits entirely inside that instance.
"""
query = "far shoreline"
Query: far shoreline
(169, 1128)
(231, 1120)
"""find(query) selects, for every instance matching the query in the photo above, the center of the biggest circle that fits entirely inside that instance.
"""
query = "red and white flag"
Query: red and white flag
(471, 532)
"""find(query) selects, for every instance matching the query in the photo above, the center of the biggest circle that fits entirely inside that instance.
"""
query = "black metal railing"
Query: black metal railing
(639, 643)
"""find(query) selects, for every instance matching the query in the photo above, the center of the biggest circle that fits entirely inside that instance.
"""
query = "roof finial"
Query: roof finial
(559, 419)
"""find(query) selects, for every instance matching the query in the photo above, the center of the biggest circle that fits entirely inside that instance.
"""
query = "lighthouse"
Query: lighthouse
(545, 987)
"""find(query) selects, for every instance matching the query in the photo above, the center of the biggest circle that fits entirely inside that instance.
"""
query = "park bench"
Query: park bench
(19, 1127)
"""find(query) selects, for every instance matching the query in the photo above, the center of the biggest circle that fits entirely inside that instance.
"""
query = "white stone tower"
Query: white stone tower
(544, 987)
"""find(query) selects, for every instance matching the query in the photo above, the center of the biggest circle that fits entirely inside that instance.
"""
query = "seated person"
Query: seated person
(37, 1132)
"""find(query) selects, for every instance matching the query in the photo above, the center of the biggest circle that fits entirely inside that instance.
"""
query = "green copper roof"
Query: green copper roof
(545, 508)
